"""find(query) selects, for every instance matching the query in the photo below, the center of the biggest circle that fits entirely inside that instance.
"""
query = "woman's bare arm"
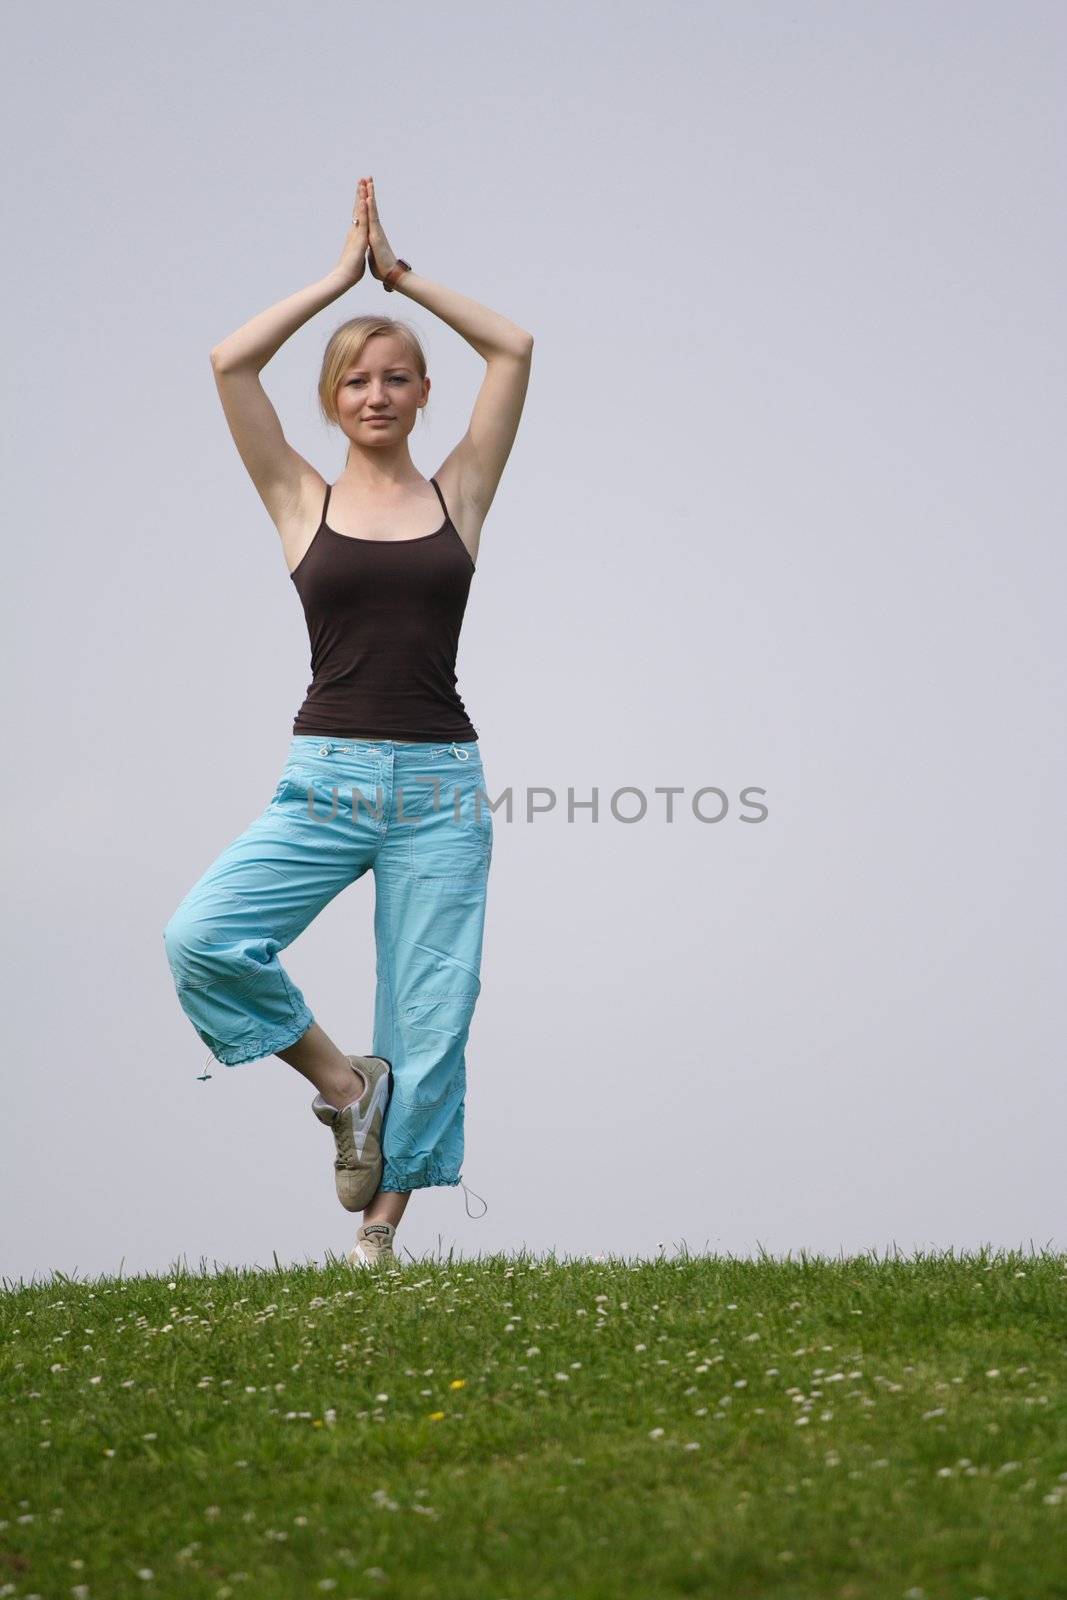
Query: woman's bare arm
(251, 347)
(254, 343)
(490, 333)
(478, 460)
(278, 471)
(487, 331)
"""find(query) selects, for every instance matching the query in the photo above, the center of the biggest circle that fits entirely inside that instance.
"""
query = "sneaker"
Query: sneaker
(373, 1246)
(357, 1132)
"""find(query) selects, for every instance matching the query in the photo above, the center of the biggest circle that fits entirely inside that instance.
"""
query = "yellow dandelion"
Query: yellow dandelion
(435, 1416)
(317, 1422)
(458, 1383)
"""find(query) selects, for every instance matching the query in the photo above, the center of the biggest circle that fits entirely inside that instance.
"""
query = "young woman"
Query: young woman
(384, 769)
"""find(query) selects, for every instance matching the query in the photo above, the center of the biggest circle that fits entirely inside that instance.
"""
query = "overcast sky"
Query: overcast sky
(785, 512)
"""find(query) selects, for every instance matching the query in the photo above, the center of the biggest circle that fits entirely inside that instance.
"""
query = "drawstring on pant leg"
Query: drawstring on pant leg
(466, 1192)
(461, 755)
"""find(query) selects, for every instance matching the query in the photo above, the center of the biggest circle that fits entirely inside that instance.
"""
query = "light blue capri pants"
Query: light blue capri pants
(416, 815)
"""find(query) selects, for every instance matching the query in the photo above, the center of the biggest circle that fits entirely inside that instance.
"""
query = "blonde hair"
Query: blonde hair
(345, 348)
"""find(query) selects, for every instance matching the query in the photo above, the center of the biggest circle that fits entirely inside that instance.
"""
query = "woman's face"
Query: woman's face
(380, 395)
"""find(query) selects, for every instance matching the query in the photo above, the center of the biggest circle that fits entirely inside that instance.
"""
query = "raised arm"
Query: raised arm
(277, 470)
(478, 460)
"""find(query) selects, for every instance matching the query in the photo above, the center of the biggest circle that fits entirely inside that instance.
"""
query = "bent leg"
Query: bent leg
(223, 939)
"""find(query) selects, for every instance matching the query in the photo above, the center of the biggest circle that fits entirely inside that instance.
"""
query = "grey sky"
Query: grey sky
(785, 511)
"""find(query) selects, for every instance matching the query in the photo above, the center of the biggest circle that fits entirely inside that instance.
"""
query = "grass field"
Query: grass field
(512, 1428)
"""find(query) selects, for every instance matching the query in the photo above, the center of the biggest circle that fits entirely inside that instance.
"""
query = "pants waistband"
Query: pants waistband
(312, 744)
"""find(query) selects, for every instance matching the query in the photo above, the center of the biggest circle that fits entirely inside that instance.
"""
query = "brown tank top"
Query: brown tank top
(384, 619)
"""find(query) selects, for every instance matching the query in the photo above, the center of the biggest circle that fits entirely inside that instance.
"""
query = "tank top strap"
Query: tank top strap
(325, 503)
(441, 497)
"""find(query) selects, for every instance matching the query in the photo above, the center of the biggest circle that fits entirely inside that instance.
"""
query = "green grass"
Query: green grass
(513, 1428)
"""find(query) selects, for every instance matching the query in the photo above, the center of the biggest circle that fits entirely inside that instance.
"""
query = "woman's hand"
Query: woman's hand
(353, 260)
(382, 256)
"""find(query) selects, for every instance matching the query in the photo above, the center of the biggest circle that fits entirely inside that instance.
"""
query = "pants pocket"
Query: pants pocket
(442, 847)
(324, 810)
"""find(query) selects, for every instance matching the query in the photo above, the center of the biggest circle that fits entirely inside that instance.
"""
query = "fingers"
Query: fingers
(366, 211)
(360, 218)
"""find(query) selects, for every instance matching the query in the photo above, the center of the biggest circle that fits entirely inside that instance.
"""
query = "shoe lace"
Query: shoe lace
(342, 1136)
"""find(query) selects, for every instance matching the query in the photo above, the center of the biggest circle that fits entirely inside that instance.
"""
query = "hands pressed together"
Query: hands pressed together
(366, 242)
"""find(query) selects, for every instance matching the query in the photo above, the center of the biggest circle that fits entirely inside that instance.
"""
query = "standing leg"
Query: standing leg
(430, 879)
(387, 1206)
